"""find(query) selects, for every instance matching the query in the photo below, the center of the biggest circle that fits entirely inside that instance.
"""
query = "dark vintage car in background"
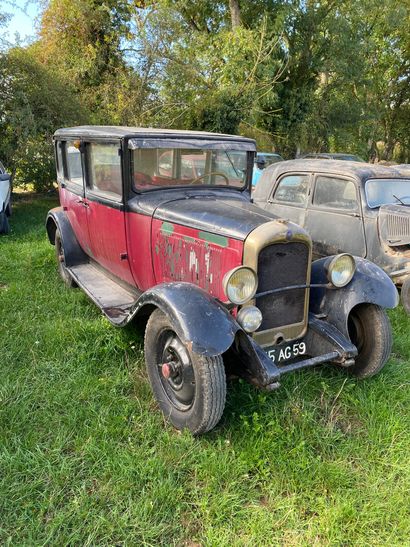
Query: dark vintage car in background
(5, 200)
(358, 208)
(224, 287)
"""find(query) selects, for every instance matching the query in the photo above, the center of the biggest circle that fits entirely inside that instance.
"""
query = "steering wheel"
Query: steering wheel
(210, 174)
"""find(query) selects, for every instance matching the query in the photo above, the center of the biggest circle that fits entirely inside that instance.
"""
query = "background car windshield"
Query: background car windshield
(387, 191)
(159, 167)
(272, 158)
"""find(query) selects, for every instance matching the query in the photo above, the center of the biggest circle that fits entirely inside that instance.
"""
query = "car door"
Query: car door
(334, 218)
(289, 197)
(105, 207)
(70, 176)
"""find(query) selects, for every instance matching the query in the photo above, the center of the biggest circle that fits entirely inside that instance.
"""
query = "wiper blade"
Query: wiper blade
(231, 162)
(398, 199)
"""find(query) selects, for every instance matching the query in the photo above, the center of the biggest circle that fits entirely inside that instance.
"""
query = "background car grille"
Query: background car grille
(281, 265)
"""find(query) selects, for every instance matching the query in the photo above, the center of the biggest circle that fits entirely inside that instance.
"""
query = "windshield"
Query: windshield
(161, 167)
(387, 192)
(272, 158)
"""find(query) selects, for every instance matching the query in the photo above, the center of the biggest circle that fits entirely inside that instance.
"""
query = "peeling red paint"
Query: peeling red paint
(181, 255)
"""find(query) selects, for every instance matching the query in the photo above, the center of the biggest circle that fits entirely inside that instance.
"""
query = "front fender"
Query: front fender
(199, 319)
(370, 285)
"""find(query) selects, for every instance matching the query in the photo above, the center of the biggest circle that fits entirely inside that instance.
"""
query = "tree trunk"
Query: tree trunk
(235, 13)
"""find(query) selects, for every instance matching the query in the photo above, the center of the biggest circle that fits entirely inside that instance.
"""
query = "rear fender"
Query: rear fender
(199, 319)
(370, 285)
(73, 254)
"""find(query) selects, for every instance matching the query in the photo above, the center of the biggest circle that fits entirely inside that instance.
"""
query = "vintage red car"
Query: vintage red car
(225, 288)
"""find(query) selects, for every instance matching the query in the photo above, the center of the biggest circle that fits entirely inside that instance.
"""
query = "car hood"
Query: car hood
(229, 216)
(394, 224)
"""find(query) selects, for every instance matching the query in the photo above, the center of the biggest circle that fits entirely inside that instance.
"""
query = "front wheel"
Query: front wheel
(370, 331)
(190, 388)
(405, 295)
(4, 224)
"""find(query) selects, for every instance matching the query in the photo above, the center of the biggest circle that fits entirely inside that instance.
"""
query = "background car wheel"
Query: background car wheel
(4, 224)
(190, 388)
(370, 331)
(8, 209)
(405, 295)
(62, 269)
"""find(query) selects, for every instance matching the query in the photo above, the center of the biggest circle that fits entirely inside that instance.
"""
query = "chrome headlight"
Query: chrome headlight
(240, 284)
(250, 318)
(341, 269)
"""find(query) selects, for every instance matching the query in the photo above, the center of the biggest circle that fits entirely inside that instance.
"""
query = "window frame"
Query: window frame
(95, 194)
(129, 165)
(345, 178)
(73, 187)
(292, 203)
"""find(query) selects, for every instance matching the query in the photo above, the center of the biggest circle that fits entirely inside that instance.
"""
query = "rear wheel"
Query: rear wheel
(190, 388)
(62, 268)
(370, 331)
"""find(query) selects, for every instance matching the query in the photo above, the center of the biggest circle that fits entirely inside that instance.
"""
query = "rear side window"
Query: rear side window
(74, 166)
(293, 189)
(105, 169)
(335, 193)
(59, 156)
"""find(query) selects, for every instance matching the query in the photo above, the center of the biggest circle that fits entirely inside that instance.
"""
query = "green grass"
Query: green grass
(86, 458)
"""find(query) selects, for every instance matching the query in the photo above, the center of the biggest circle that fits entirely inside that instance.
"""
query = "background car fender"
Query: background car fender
(57, 218)
(200, 320)
(370, 284)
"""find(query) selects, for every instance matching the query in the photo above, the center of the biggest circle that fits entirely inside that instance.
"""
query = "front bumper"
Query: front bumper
(324, 343)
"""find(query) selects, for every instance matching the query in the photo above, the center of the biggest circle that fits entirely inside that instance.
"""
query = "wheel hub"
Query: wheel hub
(176, 372)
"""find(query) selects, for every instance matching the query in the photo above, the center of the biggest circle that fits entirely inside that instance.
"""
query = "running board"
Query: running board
(114, 300)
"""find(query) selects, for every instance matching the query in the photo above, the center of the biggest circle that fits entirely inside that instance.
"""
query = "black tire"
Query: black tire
(62, 269)
(4, 224)
(193, 396)
(370, 331)
(405, 295)
(8, 209)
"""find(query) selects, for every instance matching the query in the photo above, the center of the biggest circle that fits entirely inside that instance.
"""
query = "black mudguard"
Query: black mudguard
(200, 320)
(73, 253)
(370, 285)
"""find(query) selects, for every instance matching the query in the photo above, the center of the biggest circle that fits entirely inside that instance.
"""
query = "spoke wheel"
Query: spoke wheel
(189, 388)
(62, 269)
(370, 331)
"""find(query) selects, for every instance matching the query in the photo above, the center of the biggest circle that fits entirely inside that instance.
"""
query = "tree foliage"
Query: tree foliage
(298, 75)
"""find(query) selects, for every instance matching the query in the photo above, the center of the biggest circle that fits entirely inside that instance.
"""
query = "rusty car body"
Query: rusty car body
(224, 287)
(352, 207)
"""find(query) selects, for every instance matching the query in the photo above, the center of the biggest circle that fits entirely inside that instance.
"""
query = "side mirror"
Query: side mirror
(5, 176)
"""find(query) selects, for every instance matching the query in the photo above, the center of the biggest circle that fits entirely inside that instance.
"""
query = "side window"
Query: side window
(335, 193)
(105, 169)
(292, 189)
(74, 166)
(59, 156)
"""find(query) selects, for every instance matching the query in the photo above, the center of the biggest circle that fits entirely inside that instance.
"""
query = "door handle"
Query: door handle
(83, 202)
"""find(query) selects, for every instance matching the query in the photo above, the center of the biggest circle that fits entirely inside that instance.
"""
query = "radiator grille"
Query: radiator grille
(281, 265)
(398, 226)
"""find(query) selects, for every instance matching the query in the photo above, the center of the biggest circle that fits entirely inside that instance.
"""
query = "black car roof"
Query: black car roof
(113, 131)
